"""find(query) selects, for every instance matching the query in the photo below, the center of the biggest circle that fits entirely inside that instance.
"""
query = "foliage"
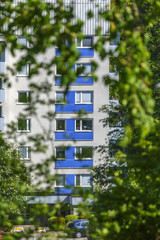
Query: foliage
(56, 223)
(13, 184)
(71, 217)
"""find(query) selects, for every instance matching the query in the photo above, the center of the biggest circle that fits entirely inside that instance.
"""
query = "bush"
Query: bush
(71, 217)
(8, 227)
(56, 223)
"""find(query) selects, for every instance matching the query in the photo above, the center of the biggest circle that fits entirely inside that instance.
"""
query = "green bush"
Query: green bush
(8, 227)
(56, 223)
(71, 217)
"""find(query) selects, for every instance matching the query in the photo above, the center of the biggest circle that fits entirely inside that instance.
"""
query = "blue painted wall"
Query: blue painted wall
(84, 52)
(71, 106)
(81, 80)
(70, 161)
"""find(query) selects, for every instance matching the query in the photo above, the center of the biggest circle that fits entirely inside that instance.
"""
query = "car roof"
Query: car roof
(78, 220)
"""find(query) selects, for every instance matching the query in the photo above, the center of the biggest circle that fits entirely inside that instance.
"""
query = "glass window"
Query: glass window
(84, 152)
(25, 152)
(112, 65)
(84, 97)
(2, 52)
(87, 68)
(0, 111)
(86, 42)
(24, 71)
(60, 153)
(60, 180)
(24, 97)
(83, 180)
(22, 41)
(24, 124)
(1, 83)
(84, 125)
(60, 125)
(59, 97)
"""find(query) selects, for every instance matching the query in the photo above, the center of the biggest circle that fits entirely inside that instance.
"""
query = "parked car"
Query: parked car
(78, 228)
(18, 230)
(1, 234)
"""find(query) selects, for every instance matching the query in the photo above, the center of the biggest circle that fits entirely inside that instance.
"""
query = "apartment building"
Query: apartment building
(74, 139)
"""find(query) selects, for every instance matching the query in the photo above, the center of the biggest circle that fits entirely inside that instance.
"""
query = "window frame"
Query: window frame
(24, 75)
(83, 158)
(64, 152)
(81, 42)
(56, 125)
(28, 152)
(23, 91)
(83, 63)
(81, 93)
(81, 176)
(28, 124)
(64, 180)
(82, 125)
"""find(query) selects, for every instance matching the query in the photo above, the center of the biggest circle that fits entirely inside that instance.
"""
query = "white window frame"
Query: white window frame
(83, 63)
(64, 180)
(24, 75)
(81, 176)
(81, 125)
(81, 42)
(56, 153)
(27, 152)
(28, 123)
(76, 158)
(56, 125)
(23, 103)
(63, 100)
(81, 93)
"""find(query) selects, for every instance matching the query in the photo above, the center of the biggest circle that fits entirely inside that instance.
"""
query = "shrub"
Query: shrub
(71, 217)
(56, 223)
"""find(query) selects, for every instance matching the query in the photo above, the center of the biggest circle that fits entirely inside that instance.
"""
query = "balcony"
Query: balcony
(114, 76)
(1, 123)
(2, 95)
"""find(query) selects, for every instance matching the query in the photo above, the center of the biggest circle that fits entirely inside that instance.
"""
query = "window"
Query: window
(24, 97)
(23, 41)
(60, 180)
(60, 153)
(60, 97)
(87, 68)
(60, 125)
(24, 125)
(83, 180)
(86, 42)
(84, 125)
(25, 152)
(84, 97)
(83, 153)
(1, 83)
(2, 52)
(24, 70)
(0, 111)
(112, 65)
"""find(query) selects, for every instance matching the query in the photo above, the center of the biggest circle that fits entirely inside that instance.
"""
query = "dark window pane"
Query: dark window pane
(77, 180)
(77, 124)
(22, 124)
(60, 181)
(60, 152)
(87, 152)
(87, 42)
(87, 125)
(60, 125)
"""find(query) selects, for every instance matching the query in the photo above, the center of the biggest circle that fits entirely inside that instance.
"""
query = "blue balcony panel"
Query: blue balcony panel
(74, 163)
(86, 52)
(1, 123)
(2, 67)
(73, 136)
(81, 80)
(63, 190)
(2, 95)
(88, 108)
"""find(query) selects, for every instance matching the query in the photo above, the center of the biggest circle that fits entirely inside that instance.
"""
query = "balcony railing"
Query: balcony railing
(1, 123)
(2, 67)
(2, 95)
